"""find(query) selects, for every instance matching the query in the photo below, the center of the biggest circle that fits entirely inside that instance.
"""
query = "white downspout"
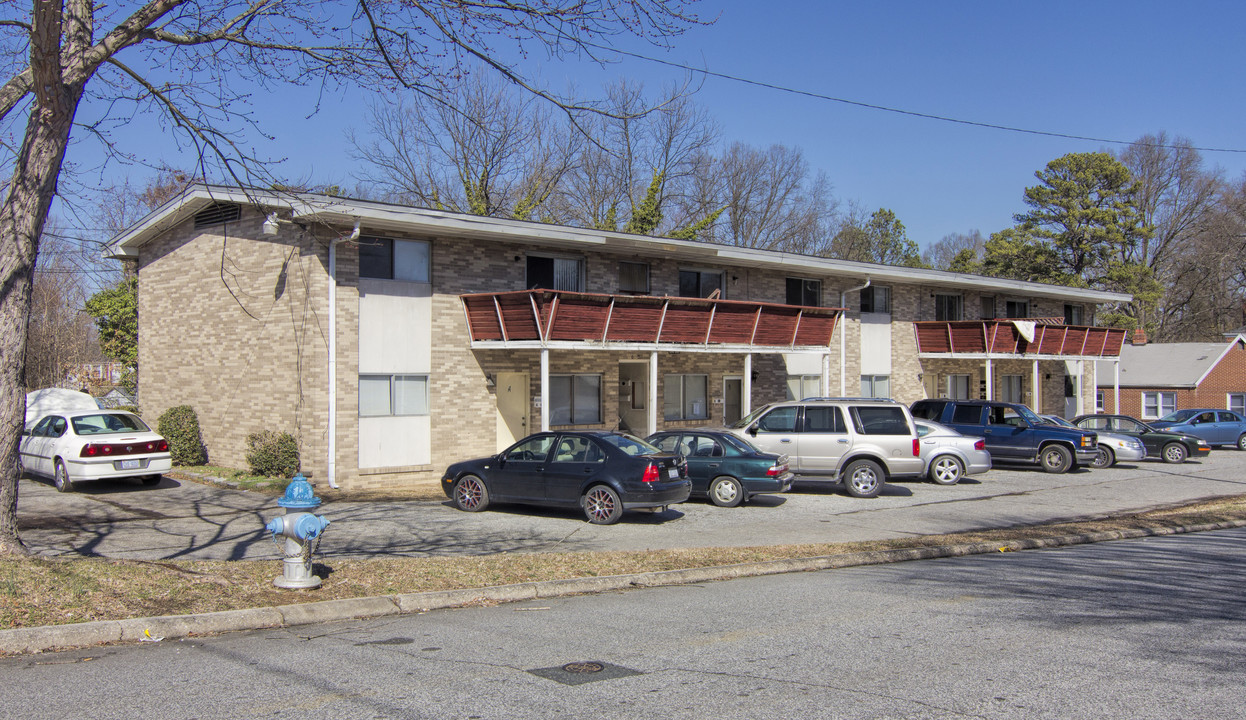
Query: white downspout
(843, 338)
(332, 471)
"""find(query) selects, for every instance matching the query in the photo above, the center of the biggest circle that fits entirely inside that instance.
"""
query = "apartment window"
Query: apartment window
(1073, 315)
(949, 308)
(804, 292)
(1017, 309)
(700, 283)
(1010, 388)
(574, 399)
(634, 278)
(1100, 402)
(988, 307)
(1237, 403)
(686, 397)
(876, 299)
(1158, 404)
(800, 387)
(386, 259)
(393, 395)
(878, 386)
(958, 387)
(555, 273)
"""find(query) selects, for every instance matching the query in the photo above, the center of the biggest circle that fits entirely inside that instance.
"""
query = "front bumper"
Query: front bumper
(1086, 457)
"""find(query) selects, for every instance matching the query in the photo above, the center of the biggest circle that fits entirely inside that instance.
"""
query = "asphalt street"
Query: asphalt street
(187, 520)
(1137, 629)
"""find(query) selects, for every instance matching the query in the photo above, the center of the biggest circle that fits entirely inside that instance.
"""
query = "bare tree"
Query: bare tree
(61, 335)
(183, 61)
(940, 255)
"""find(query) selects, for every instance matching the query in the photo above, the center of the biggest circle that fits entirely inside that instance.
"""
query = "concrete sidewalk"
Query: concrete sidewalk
(182, 520)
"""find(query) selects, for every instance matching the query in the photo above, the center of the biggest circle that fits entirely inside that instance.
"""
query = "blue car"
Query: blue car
(1217, 427)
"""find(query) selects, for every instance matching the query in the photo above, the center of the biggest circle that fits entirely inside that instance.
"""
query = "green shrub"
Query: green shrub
(180, 426)
(273, 454)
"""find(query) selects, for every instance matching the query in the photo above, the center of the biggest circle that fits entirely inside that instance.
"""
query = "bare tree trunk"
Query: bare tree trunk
(22, 217)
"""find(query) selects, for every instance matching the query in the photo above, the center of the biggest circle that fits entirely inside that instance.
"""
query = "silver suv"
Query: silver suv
(861, 442)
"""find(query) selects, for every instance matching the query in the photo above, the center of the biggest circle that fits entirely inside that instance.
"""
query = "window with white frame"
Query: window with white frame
(554, 273)
(686, 397)
(1010, 388)
(386, 259)
(878, 386)
(1237, 403)
(958, 387)
(1100, 401)
(800, 387)
(949, 308)
(876, 299)
(700, 283)
(574, 399)
(1158, 404)
(393, 395)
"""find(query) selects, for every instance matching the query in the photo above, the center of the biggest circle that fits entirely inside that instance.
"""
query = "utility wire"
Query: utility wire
(898, 111)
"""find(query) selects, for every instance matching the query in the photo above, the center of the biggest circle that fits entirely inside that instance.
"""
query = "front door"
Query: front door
(733, 399)
(513, 400)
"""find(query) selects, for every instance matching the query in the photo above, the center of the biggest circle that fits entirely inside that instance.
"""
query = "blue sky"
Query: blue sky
(1105, 70)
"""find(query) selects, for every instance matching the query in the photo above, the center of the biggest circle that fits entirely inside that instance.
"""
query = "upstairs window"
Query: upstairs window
(804, 292)
(876, 299)
(700, 283)
(555, 273)
(386, 259)
(1073, 315)
(949, 308)
(634, 278)
(988, 307)
(1017, 309)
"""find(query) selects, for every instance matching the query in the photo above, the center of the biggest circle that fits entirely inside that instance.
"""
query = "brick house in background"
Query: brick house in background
(392, 341)
(1158, 378)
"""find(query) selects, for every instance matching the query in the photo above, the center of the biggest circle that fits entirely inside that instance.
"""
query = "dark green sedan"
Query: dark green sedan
(1173, 447)
(723, 467)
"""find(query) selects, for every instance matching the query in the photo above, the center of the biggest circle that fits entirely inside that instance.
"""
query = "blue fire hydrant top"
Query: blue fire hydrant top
(299, 494)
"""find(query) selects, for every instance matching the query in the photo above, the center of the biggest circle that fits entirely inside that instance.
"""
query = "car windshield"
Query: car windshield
(1179, 416)
(105, 423)
(750, 418)
(1057, 420)
(1029, 415)
(631, 445)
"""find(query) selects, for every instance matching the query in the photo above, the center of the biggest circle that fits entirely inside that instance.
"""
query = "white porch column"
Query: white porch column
(990, 382)
(747, 401)
(1036, 402)
(544, 389)
(826, 373)
(1116, 387)
(1081, 387)
(653, 391)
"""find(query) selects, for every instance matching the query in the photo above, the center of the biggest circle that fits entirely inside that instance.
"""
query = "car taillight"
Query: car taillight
(917, 447)
(980, 445)
(134, 448)
(776, 470)
(651, 474)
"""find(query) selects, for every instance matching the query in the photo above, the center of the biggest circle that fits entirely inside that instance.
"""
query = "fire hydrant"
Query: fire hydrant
(301, 530)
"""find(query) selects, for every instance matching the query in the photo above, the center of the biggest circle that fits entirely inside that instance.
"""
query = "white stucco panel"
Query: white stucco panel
(875, 343)
(395, 327)
(394, 441)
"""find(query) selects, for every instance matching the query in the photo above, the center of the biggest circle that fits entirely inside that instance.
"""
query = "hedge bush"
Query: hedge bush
(273, 454)
(180, 426)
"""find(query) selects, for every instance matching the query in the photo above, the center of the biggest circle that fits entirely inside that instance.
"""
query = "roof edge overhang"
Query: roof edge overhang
(380, 216)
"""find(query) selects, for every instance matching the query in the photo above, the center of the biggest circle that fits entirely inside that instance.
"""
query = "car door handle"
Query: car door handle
(842, 441)
(714, 465)
(785, 440)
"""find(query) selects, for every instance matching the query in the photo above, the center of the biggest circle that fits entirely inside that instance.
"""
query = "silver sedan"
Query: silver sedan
(1112, 447)
(948, 455)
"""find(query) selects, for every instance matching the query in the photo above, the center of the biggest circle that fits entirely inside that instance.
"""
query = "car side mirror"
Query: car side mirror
(752, 429)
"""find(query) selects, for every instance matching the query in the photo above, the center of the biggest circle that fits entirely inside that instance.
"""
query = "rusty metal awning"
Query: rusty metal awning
(559, 318)
(1024, 338)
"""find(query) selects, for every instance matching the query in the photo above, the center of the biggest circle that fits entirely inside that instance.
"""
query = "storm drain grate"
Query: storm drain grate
(585, 671)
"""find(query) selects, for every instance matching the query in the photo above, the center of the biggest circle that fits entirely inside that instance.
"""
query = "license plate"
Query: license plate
(129, 464)
(672, 472)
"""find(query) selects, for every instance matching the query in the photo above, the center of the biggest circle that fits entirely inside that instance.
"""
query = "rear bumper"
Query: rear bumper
(762, 486)
(105, 469)
(658, 497)
(1129, 454)
(977, 462)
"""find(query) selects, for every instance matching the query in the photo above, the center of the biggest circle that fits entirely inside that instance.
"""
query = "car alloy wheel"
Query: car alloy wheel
(726, 492)
(946, 470)
(1104, 458)
(863, 478)
(470, 494)
(60, 477)
(1174, 452)
(1241, 442)
(602, 505)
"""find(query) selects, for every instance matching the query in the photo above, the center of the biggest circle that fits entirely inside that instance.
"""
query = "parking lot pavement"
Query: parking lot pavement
(183, 520)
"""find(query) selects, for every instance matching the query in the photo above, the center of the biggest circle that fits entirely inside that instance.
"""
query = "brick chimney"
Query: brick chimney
(1139, 337)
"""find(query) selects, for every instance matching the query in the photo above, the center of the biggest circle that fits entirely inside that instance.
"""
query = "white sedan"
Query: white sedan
(77, 445)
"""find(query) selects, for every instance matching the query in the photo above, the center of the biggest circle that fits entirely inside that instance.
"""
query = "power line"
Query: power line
(898, 111)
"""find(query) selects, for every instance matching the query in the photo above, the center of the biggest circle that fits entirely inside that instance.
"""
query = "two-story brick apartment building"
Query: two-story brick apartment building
(393, 340)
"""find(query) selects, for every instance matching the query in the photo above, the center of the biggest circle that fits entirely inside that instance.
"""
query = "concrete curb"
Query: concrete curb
(59, 637)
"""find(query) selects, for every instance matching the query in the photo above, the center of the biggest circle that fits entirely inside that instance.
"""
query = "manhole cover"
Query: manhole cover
(584, 671)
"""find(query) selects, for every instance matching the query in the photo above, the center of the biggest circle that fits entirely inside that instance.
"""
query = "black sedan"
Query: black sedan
(724, 467)
(604, 473)
(1173, 447)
